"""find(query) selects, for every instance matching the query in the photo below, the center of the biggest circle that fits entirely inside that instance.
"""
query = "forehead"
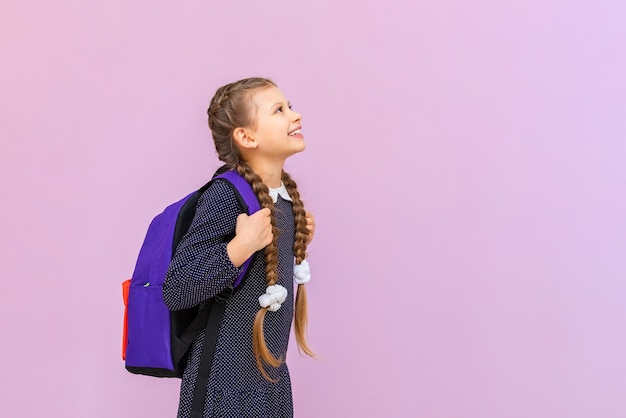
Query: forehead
(268, 97)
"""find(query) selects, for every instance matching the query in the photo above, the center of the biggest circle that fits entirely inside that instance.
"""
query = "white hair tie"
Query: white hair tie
(302, 272)
(273, 297)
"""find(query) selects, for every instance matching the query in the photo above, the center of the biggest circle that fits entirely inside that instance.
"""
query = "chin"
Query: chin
(296, 151)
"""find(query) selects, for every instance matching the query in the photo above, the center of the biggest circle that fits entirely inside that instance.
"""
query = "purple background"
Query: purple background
(465, 161)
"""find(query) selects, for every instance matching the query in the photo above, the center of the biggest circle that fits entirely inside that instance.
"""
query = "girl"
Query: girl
(255, 131)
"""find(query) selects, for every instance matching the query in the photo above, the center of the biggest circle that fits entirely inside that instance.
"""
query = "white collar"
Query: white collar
(280, 191)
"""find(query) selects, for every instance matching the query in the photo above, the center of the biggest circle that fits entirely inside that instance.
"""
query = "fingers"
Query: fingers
(263, 213)
(265, 218)
(256, 228)
(310, 226)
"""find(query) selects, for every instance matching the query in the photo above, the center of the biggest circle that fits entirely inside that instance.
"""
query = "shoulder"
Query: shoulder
(219, 197)
(219, 189)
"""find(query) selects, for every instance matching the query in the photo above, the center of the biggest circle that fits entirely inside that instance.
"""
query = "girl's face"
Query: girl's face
(277, 129)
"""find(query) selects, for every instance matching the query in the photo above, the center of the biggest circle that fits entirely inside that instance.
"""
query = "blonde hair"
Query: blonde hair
(230, 108)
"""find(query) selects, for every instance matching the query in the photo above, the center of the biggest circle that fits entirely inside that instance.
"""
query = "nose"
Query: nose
(296, 117)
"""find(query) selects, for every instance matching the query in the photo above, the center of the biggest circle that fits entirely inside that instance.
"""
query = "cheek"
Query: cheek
(279, 129)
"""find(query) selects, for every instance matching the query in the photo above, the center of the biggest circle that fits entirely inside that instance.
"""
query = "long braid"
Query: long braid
(261, 352)
(299, 250)
(232, 107)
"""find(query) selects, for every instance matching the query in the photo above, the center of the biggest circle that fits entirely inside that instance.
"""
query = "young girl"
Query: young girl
(255, 131)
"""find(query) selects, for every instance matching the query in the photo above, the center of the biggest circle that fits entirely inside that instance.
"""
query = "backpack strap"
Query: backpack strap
(248, 200)
(214, 311)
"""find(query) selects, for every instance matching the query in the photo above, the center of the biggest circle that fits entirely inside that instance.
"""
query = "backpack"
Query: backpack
(156, 341)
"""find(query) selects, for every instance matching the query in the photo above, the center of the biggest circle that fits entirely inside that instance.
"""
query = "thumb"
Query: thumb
(262, 213)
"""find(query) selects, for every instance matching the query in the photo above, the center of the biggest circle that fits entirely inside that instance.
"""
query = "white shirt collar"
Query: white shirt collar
(280, 191)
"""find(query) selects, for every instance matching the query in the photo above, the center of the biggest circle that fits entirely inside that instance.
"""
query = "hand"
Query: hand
(255, 231)
(310, 225)
(252, 233)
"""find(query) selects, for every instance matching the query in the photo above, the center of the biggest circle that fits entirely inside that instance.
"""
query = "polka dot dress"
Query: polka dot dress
(200, 270)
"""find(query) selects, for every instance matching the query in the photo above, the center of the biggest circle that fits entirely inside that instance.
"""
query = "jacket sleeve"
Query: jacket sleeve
(200, 267)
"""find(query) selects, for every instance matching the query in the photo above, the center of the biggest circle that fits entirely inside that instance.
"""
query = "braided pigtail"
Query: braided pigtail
(299, 250)
(261, 352)
(233, 107)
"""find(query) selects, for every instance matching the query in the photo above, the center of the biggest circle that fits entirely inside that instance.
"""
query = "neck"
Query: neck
(270, 173)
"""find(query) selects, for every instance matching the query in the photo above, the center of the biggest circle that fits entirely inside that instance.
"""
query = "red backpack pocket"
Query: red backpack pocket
(125, 289)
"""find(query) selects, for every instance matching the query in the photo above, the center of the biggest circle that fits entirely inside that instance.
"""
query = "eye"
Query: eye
(281, 108)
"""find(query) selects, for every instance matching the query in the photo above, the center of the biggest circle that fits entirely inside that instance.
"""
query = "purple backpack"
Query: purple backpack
(156, 340)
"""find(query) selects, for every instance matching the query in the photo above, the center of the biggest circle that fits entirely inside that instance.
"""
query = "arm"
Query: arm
(201, 267)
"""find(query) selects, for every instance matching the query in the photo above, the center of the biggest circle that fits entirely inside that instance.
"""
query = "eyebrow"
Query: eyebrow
(280, 104)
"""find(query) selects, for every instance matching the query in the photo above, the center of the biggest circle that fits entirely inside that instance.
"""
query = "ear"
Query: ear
(244, 138)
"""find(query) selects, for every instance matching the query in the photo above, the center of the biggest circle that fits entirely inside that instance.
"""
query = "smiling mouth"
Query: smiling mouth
(295, 132)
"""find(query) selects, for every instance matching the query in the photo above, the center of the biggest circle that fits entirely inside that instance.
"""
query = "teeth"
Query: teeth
(296, 132)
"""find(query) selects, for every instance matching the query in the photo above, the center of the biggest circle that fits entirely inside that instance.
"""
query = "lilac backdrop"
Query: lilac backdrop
(466, 163)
